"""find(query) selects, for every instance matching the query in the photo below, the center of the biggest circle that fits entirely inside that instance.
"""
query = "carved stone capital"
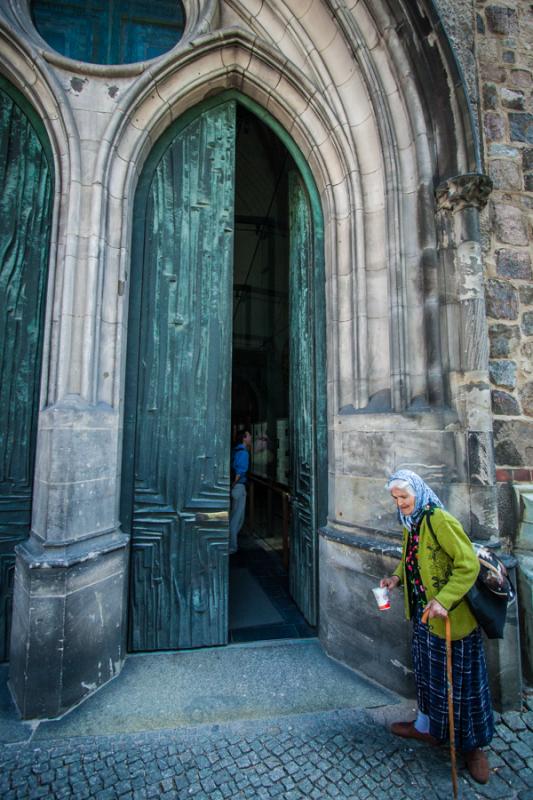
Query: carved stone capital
(472, 189)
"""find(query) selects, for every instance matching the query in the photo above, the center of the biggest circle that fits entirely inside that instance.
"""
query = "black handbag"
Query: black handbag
(491, 593)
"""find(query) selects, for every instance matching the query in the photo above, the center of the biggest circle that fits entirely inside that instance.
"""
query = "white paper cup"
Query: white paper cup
(381, 593)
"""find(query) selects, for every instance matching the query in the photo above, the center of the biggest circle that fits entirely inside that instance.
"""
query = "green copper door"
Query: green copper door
(25, 222)
(175, 494)
(175, 481)
(307, 400)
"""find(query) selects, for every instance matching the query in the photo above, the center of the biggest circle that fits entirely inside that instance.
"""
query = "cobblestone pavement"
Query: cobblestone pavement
(336, 754)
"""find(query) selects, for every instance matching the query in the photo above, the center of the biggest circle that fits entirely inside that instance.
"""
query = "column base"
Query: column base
(68, 633)
(378, 643)
(504, 661)
(352, 628)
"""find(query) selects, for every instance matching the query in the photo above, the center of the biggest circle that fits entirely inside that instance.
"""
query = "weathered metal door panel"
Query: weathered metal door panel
(177, 412)
(25, 223)
(307, 411)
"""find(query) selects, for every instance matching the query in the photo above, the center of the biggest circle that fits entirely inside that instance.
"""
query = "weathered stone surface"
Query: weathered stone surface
(527, 351)
(527, 158)
(499, 150)
(457, 20)
(514, 264)
(364, 451)
(526, 295)
(513, 442)
(72, 639)
(507, 508)
(505, 174)
(465, 192)
(508, 692)
(493, 71)
(510, 224)
(508, 24)
(75, 471)
(525, 590)
(494, 125)
(502, 300)
(507, 454)
(501, 19)
(349, 567)
(503, 340)
(504, 403)
(526, 398)
(527, 323)
(503, 373)
(490, 96)
(521, 127)
(480, 465)
(512, 99)
(521, 77)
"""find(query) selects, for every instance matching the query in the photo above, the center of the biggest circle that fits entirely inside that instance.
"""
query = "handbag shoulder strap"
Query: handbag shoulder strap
(427, 514)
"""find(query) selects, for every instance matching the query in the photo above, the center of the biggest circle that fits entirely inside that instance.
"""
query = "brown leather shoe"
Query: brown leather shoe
(478, 765)
(407, 730)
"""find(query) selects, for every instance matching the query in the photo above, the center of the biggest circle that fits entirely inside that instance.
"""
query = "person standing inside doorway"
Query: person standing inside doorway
(240, 464)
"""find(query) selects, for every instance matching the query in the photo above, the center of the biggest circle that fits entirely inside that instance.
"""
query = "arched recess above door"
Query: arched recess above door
(367, 131)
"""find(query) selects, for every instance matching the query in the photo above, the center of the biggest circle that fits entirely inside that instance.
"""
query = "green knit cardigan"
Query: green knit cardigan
(448, 567)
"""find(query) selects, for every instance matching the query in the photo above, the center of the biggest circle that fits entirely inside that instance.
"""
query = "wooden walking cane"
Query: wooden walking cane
(449, 680)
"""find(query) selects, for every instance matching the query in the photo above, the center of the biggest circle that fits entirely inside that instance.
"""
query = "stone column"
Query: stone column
(459, 202)
(69, 604)
(464, 328)
(69, 607)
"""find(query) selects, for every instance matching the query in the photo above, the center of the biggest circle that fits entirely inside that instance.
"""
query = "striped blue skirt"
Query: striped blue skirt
(473, 717)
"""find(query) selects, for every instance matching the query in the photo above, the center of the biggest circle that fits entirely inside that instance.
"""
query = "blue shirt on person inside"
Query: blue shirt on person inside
(241, 462)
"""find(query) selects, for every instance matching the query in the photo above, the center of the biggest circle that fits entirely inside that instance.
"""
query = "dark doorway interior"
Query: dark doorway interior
(260, 606)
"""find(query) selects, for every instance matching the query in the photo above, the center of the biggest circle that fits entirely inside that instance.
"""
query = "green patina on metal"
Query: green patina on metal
(177, 406)
(307, 407)
(109, 31)
(26, 189)
(178, 386)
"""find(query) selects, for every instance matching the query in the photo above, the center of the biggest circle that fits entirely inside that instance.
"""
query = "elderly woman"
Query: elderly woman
(438, 567)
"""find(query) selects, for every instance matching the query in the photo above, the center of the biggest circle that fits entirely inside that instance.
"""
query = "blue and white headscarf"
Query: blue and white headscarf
(424, 496)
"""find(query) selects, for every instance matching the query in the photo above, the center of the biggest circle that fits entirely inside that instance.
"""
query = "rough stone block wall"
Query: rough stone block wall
(504, 45)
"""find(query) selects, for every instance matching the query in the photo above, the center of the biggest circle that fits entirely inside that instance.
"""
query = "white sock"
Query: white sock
(422, 723)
